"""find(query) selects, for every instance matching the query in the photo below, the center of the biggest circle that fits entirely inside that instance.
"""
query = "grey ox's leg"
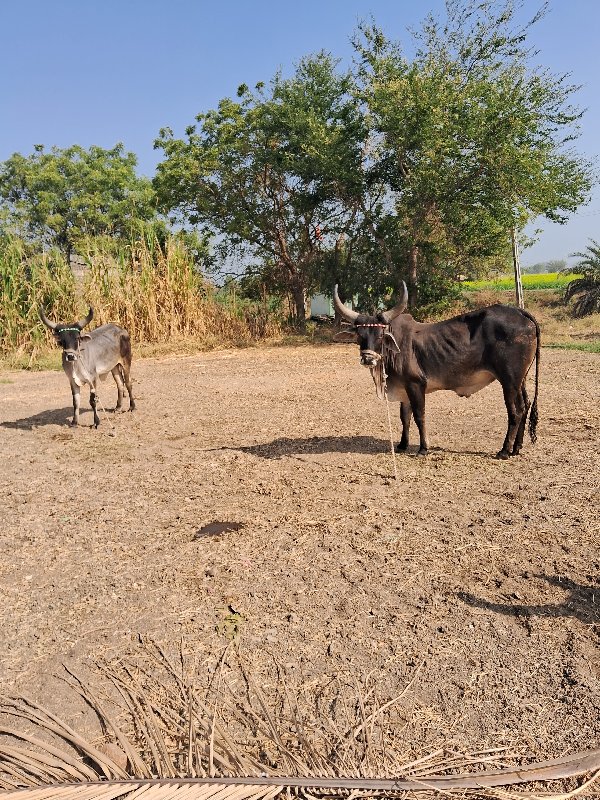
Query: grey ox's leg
(405, 416)
(127, 378)
(76, 392)
(416, 395)
(116, 373)
(93, 405)
(125, 346)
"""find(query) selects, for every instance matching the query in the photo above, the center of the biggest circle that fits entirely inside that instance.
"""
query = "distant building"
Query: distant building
(322, 306)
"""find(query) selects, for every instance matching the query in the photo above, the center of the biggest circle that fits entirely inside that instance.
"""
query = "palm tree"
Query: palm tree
(585, 288)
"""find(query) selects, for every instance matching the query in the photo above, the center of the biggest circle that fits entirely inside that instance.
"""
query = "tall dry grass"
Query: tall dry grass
(26, 282)
(153, 290)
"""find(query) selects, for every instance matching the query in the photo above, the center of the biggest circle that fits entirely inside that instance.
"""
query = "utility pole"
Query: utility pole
(517, 267)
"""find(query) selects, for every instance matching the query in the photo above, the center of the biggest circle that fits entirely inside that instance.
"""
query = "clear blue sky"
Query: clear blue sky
(104, 71)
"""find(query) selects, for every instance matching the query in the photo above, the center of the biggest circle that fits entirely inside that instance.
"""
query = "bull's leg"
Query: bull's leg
(93, 402)
(515, 409)
(125, 345)
(127, 378)
(416, 395)
(521, 432)
(405, 416)
(76, 392)
(116, 373)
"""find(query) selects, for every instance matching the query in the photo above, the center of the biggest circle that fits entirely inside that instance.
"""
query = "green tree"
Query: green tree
(585, 289)
(61, 196)
(275, 175)
(472, 141)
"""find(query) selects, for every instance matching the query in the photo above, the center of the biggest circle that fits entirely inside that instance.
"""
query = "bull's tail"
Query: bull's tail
(533, 414)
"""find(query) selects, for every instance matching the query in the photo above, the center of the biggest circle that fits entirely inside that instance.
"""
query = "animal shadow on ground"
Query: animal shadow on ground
(279, 448)
(285, 446)
(582, 602)
(58, 416)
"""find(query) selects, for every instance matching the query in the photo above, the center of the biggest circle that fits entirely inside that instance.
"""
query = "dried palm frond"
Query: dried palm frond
(166, 733)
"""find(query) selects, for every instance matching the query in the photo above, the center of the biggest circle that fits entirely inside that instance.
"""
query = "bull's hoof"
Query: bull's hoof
(423, 451)
(74, 423)
(503, 455)
(401, 448)
(516, 451)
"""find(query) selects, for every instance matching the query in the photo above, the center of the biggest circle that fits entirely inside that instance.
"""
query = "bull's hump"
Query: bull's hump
(109, 327)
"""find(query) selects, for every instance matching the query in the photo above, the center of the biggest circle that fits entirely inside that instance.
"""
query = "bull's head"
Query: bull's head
(367, 330)
(68, 336)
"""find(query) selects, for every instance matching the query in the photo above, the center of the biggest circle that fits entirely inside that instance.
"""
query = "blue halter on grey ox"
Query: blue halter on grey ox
(411, 359)
(88, 357)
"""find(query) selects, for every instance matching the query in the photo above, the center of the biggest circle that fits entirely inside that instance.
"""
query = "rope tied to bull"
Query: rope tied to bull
(388, 343)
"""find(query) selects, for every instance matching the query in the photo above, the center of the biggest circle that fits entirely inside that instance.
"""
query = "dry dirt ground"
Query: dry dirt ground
(470, 586)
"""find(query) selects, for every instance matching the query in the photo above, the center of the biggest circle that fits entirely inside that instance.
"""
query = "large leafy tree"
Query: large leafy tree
(473, 141)
(275, 174)
(415, 168)
(61, 196)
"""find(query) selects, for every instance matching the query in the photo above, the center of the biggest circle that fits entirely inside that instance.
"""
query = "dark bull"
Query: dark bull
(462, 354)
(87, 357)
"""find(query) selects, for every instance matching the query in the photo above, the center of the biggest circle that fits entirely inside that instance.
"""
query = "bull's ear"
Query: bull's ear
(349, 336)
(85, 336)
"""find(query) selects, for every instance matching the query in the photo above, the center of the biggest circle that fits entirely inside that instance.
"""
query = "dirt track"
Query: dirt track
(475, 579)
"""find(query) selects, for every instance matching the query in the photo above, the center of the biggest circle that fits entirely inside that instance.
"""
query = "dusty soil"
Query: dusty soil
(471, 584)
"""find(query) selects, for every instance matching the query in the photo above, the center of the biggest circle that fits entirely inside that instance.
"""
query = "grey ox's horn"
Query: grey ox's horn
(46, 321)
(86, 321)
(398, 308)
(344, 311)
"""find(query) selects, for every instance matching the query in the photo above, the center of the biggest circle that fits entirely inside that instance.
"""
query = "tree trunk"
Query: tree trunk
(299, 301)
(413, 259)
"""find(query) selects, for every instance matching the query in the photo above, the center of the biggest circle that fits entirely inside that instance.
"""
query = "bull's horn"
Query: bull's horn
(83, 322)
(342, 309)
(46, 321)
(398, 308)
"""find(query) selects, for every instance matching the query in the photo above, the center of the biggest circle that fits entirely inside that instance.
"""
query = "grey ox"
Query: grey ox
(462, 354)
(86, 357)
